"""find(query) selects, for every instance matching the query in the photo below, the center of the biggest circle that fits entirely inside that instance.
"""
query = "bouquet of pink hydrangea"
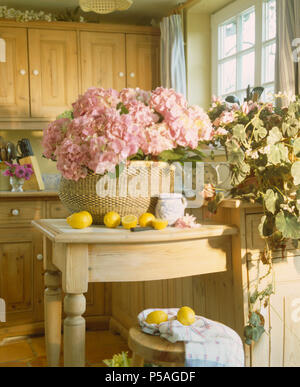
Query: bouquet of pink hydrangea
(19, 171)
(107, 127)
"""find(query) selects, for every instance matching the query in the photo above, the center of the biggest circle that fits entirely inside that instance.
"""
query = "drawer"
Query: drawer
(20, 211)
(56, 210)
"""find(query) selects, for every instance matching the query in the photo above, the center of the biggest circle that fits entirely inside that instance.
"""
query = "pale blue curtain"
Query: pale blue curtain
(288, 44)
(173, 68)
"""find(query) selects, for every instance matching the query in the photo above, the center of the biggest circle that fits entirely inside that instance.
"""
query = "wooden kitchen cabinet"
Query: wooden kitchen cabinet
(143, 61)
(102, 60)
(14, 85)
(53, 71)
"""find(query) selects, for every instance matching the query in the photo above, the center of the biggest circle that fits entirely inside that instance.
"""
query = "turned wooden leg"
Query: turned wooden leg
(74, 330)
(53, 311)
(137, 360)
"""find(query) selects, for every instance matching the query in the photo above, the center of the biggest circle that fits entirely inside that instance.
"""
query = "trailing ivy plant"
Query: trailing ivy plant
(262, 144)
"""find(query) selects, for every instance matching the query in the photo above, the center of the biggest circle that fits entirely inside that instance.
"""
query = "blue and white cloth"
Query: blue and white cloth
(207, 343)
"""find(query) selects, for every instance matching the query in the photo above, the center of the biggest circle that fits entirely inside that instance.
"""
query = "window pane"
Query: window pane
(268, 94)
(247, 70)
(269, 63)
(228, 76)
(228, 39)
(248, 29)
(270, 19)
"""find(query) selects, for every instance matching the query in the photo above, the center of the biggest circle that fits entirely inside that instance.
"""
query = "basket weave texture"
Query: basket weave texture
(104, 6)
(149, 177)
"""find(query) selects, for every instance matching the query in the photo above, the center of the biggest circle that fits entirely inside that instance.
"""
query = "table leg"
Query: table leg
(74, 330)
(53, 311)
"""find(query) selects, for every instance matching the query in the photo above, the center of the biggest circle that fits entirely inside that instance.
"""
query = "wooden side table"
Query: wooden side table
(73, 258)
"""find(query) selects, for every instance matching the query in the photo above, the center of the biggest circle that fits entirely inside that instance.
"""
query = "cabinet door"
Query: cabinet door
(143, 61)
(53, 71)
(14, 89)
(20, 274)
(102, 60)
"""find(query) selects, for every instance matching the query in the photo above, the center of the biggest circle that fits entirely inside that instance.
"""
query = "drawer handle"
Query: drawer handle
(36, 72)
(22, 72)
(39, 257)
(121, 74)
(132, 75)
(15, 212)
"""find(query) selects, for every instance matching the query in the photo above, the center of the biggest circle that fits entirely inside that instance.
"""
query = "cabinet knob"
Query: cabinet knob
(15, 212)
(22, 72)
(121, 74)
(132, 75)
(39, 257)
(35, 72)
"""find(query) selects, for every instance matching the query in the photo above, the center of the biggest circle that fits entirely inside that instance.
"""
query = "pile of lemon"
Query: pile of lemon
(186, 316)
(113, 220)
(84, 219)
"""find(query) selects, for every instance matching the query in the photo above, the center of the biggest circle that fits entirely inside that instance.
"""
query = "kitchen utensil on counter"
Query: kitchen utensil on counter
(3, 154)
(11, 152)
(26, 156)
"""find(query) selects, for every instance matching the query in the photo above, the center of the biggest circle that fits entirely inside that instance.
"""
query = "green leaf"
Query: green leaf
(66, 114)
(266, 227)
(275, 136)
(254, 297)
(270, 199)
(235, 153)
(297, 147)
(248, 332)
(255, 319)
(239, 133)
(278, 154)
(295, 171)
(172, 155)
(257, 333)
(288, 225)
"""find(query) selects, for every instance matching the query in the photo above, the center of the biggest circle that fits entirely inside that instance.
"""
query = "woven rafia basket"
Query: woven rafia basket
(151, 177)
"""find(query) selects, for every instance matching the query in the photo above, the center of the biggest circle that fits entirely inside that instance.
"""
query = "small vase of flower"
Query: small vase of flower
(17, 175)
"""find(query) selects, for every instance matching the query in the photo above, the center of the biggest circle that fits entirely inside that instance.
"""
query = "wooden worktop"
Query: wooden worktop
(59, 231)
(27, 194)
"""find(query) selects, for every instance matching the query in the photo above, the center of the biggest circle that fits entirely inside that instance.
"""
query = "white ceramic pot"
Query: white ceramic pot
(170, 207)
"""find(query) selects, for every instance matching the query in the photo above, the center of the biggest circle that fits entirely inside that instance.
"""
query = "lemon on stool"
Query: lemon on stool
(129, 221)
(157, 317)
(186, 316)
(146, 220)
(80, 220)
(159, 224)
(112, 219)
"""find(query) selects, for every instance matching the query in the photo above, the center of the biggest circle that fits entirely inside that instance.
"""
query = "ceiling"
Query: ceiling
(210, 6)
(141, 11)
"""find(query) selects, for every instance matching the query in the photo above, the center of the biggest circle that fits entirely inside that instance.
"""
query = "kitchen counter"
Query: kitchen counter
(27, 194)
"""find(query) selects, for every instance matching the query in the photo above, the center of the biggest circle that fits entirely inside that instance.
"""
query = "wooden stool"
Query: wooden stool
(154, 349)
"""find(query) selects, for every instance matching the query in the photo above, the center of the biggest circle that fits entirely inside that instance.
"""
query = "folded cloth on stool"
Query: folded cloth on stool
(207, 343)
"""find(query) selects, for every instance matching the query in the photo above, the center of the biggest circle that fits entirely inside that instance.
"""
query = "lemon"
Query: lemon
(80, 220)
(186, 316)
(159, 224)
(112, 219)
(129, 221)
(157, 317)
(146, 220)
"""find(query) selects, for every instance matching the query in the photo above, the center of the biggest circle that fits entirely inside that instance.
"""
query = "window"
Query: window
(244, 48)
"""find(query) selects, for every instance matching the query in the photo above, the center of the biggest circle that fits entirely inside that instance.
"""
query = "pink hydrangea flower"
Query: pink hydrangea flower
(188, 221)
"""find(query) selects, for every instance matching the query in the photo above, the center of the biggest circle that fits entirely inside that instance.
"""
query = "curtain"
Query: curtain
(288, 47)
(173, 68)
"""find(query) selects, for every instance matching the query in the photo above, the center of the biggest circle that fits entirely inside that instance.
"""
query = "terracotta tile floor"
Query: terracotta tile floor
(30, 352)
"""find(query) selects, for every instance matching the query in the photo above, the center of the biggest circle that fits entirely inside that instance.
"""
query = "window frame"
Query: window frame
(225, 15)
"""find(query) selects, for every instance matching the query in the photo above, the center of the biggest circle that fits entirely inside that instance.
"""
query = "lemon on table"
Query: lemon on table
(80, 220)
(112, 219)
(186, 316)
(159, 224)
(157, 317)
(146, 220)
(129, 221)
